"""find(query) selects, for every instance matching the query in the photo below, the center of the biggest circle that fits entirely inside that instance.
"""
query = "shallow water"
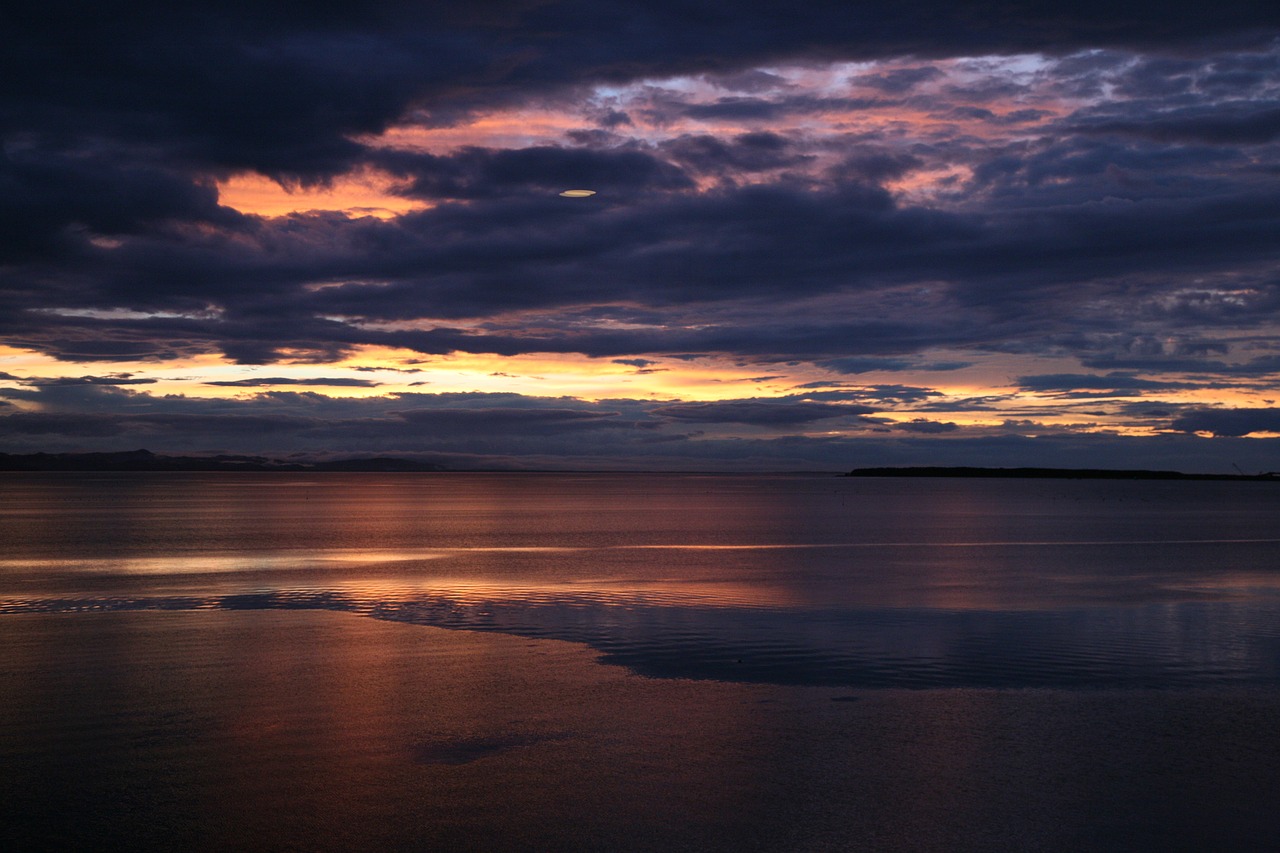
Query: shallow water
(278, 730)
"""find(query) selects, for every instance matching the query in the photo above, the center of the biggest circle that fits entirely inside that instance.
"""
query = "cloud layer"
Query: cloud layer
(1050, 221)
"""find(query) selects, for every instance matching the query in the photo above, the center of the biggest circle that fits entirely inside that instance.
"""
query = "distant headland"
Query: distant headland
(145, 460)
(1053, 474)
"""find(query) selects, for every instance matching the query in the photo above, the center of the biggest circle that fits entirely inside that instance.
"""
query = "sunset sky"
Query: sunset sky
(823, 235)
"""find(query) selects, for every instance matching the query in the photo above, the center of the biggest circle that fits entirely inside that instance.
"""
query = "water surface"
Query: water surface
(790, 580)
(377, 662)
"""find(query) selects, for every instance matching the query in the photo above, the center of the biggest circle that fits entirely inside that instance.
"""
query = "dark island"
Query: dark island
(145, 460)
(1053, 473)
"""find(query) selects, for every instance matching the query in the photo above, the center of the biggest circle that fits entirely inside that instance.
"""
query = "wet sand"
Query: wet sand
(272, 730)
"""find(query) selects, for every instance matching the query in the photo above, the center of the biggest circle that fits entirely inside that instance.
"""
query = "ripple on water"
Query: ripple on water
(1161, 645)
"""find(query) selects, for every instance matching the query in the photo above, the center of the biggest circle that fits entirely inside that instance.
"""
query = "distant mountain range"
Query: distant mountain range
(145, 460)
(1053, 474)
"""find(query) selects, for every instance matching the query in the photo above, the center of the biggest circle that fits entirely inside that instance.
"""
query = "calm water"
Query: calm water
(792, 580)
(800, 663)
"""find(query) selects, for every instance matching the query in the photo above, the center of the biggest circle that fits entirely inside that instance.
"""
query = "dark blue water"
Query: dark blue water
(787, 580)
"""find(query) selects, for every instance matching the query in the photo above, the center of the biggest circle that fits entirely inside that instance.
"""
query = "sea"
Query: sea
(561, 661)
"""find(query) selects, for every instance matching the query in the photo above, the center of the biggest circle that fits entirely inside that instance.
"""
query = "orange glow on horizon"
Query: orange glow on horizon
(394, 372)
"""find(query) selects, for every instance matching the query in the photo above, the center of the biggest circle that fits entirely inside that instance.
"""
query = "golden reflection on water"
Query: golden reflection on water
(657, 593)
(950, 575)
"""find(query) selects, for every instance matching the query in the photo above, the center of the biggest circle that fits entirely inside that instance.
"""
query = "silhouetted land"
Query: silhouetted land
(1053, 474)
(145, 460)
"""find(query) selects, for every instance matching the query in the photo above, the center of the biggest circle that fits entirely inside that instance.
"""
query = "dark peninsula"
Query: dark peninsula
(1053, 473)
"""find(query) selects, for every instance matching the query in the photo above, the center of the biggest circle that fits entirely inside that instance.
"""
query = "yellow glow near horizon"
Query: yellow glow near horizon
(707, 378)
(571, 374)
(657, 379)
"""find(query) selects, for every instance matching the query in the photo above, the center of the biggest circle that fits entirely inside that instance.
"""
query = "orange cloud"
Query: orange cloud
(360, 194)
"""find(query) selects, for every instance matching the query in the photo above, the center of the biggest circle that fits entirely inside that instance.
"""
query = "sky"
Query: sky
(824, 235)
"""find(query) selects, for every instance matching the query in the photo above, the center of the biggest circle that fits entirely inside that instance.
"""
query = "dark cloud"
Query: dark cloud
(871, 364)
(985, 403)
(666, 252)
(979, 113)
(926, 427)
(875, 166)
(1114, 383)
(135, 426)
(894, 242)
(286, 91)
(766, 109)
(898, 80)
(117, 379)
(53, 198)
(263, 381)
(404, 422)
(880, 395)
(1021, 116)
(746, 152)
(1228, 422)
(78, 396)
(866, 364)
(972, 113)
(1261, 366)
(1043, 228)
(758, 412)
(1253, 124)
(751, 80)
(234, 87)
(512, 419)
(474, 172)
